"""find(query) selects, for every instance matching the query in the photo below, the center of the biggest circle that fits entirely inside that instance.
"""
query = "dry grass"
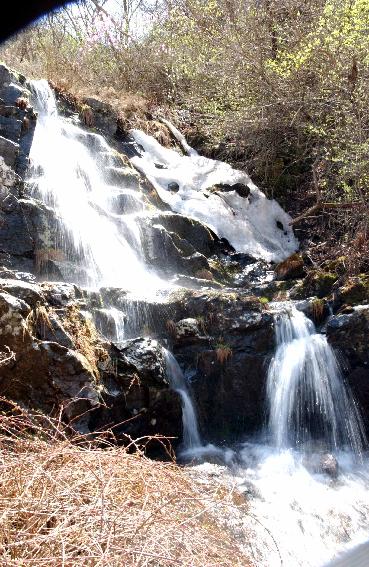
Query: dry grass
(85, 337)
(70, 502)
(223, 353)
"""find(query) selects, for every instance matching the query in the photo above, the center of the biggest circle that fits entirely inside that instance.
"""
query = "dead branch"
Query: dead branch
(323, 207)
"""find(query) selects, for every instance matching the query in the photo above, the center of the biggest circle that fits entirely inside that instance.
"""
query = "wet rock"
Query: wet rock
(9, 150)
(168, 251)
(127, 202)
(349, 335)
(321, 462)
(225, 344)
(138, 397)
(329, 465)
(188, 331)
(143, 356)
(173, 187)
(29, 292)
(61, 294)
(241, 189)
(197, 234)
(122, 176)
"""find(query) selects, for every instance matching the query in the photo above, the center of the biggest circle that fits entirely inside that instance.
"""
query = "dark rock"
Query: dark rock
(241, 189)
(9, 151)
(225, 347)
(169, 251)
(173, 187)
(103, 116)
(349, 335)
(138, 398)
(52, 330)
(10, 128)
(43, 375)
(143, 356)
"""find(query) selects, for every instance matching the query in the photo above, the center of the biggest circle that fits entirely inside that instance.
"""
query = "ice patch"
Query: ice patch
(254, 224)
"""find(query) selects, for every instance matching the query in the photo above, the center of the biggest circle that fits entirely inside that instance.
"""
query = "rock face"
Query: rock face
(57, 360)
(349, 335)
(227, 355)
(17, 120)
(137, 395)
(59, 363)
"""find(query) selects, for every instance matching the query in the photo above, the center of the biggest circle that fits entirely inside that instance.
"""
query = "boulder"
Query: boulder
(138, 399)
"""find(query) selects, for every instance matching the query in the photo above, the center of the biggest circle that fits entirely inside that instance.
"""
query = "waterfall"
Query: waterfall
(177, 380)
(67, 173)
(308, 399)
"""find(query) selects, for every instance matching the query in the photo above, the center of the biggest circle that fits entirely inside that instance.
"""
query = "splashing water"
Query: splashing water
(308, 399)
(191, 434)
(66, 174)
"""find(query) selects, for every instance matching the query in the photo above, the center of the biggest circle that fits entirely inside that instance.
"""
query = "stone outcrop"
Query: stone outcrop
(349, 335)
(57, 337)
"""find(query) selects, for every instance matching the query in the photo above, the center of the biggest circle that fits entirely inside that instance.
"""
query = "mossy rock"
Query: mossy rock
(291, 268)
(355, 291)
(276, 290)
(317, 283)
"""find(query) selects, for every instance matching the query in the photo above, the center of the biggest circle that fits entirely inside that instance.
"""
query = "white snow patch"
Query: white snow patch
(249, 224)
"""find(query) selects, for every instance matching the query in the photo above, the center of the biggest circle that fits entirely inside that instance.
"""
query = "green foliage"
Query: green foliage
(285, 83)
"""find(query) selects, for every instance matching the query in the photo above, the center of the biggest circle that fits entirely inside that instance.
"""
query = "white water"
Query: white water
(308, 399)
(310, 515)
(249, 224)
(191, 434)
(66, 173)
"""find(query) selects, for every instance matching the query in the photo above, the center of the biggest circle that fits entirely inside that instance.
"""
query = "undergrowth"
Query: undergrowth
(68, 499)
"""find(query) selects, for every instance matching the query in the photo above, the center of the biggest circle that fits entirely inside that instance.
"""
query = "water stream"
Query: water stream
(312, 415)
(66, 173)
(307, 396)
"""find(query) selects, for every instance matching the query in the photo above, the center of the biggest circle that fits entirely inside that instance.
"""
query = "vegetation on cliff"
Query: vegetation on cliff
(275, 86)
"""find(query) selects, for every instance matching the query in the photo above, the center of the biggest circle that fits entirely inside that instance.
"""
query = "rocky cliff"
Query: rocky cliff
(58, 337)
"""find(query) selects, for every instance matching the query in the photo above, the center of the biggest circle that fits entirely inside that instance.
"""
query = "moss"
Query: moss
(355, 290)
(85, 337)
(277, 290)
(317, 283)
(223, 272)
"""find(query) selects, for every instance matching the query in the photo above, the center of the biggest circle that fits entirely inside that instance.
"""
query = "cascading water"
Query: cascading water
(191, 434)
(66, 174)
(310, 515)
(311, 510)
(308, 399)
